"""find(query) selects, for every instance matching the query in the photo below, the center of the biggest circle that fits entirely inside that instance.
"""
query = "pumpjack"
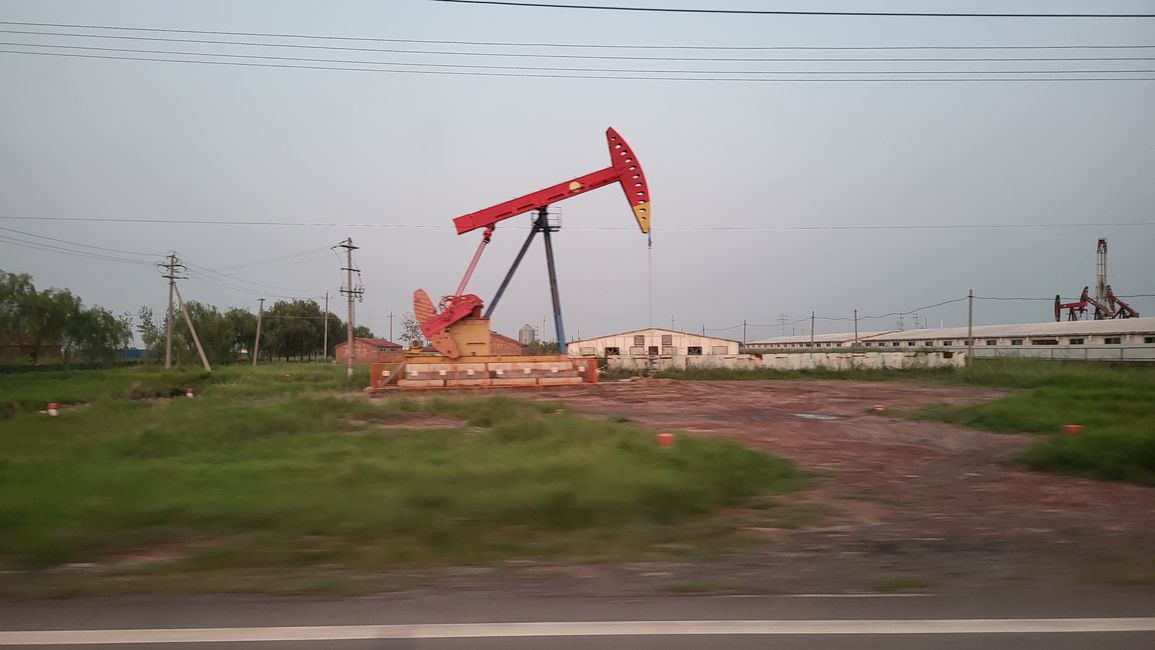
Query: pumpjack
(1105, 304)
(458, 328)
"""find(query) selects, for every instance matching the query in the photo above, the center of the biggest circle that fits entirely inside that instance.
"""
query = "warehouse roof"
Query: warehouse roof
(1062, 328)
(818, 338)
(1025, 330)
(653, 330)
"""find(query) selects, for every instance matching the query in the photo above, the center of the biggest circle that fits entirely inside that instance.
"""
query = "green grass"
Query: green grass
(268, 472)
(899, 583)
(30, 392)
(1114, 402)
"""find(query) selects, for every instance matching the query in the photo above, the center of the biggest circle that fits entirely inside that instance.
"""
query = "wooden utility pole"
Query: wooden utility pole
(325, 344)
(390, 326)
(812, 330)
(351, 293)
(193, 330)
(970, 327)
(743, 331)
(257, 342)
(856, 327)
(171, 267)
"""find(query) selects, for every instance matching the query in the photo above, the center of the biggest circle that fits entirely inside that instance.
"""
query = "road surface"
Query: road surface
(1102, 619)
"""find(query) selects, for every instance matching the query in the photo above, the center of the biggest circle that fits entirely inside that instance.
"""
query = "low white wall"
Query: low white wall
(862, 360)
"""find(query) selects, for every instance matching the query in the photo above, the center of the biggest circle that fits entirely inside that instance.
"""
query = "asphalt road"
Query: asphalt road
(1103, 620)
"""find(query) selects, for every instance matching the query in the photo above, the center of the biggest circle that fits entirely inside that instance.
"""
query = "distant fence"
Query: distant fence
(1114, 353)
(832, 360)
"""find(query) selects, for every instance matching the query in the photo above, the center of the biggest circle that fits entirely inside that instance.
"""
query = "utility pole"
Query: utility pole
(257, 342)
(351, 293)
(812, 329)
(856, 326)
(390, 326)
(743, 331)
(171, 267)
(970, 327)
(325, 344)
(193, 331)
(782, 320)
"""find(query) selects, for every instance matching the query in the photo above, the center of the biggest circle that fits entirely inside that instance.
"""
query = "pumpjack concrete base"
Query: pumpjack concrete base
(435, 372)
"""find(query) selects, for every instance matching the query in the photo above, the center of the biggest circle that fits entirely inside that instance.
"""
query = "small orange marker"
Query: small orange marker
(666, 439)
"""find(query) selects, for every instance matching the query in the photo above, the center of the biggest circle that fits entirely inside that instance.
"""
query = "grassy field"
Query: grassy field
(288, 467)
(1114, 403)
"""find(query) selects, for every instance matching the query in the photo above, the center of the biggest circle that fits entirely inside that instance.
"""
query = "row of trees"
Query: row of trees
(35, 324)
(289, 330)
(54, 323)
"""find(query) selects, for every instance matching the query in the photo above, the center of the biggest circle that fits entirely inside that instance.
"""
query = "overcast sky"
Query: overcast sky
(387, 151)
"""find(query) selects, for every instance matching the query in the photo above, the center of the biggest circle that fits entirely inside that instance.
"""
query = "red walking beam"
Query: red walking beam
(624, 168)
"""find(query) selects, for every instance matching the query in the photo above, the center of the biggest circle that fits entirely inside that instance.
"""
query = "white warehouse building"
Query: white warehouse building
(1127, 339)
(653, 341)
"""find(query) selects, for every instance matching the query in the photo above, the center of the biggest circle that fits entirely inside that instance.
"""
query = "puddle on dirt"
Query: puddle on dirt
(816, 416)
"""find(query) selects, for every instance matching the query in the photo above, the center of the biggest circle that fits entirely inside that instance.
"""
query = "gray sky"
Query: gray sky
(129, 139)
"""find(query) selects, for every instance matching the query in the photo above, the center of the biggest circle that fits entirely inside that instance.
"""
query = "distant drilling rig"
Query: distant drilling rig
(1104, 305)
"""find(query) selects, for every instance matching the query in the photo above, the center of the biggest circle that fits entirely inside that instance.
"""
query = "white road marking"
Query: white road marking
(577, 629)
(864, 595)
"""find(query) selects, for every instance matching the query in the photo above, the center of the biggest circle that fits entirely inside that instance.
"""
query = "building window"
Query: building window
(1113, 340)
(1044, 341)
(1016, 341)
(1149, 339)
(694, 350)
(910, 343)
(588, 352)
(992, 341)
(719, 349)
(895, 344)
(640, 339)
(613, 352)
(947, 344)
(637, 351)
(667, 339)
(867, 344)
(669, 350)
(653, 350)
(1075, 341)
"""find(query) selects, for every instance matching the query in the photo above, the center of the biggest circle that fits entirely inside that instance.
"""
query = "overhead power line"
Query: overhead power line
(607, 77)
(782, 228)
(370, 39)
(533, 55)
(82, 246)
(468, 66)
(49, 248)
(774, 12)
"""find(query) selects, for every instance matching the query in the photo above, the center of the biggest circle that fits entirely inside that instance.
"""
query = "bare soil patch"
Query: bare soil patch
(932, 498)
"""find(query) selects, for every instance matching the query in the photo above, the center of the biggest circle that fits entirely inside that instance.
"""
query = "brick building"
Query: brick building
(504, 346)
(368, 350)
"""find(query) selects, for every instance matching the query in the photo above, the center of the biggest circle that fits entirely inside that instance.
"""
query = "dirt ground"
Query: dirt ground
(911, 504)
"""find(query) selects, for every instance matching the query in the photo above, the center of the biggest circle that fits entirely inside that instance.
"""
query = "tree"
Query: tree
(362, 332)
(242, 324)
(55, 318)
(294, 329)
(151, 334)
(410, 329)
